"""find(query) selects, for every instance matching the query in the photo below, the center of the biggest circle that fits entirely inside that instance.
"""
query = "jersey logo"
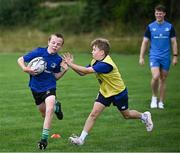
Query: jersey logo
(153, 29)
(53, 65)
(151, 64)
(167, 29)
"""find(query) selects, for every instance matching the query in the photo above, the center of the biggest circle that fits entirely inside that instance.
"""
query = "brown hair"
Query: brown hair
(57, 35)
(102, 44)
(160, 8)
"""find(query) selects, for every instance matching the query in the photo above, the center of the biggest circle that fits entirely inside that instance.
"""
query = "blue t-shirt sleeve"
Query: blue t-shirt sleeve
(172, 32)
(101, 67)
(58, 67)
(147, 33)
(29, 56)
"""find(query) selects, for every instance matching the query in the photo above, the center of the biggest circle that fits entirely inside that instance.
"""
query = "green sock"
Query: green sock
(45, 134)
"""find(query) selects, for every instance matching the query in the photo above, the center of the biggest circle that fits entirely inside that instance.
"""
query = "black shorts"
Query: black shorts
(120, 100)
(41, 96)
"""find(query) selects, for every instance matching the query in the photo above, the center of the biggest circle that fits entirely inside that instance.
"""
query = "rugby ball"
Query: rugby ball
(38, 64)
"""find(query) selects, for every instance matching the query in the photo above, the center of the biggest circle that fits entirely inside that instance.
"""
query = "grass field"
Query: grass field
(21, 123)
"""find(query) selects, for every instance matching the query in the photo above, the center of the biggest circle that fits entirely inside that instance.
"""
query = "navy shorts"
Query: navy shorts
(41, 96)
(120, 100)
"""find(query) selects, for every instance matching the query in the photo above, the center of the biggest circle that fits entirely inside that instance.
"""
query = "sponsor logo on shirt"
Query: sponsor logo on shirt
(160, 36)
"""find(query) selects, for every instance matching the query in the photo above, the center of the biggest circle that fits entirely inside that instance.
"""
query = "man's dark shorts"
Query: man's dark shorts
(120, 100)
(41, 96)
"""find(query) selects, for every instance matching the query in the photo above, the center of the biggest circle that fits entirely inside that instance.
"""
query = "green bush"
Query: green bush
(80, 16)
(63, 17)
(17, 12)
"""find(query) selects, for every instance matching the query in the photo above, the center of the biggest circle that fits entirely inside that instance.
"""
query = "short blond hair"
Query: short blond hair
(102, 44)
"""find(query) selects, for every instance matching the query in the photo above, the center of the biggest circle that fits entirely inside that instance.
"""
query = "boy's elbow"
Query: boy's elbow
(89, 70)
(19, 59)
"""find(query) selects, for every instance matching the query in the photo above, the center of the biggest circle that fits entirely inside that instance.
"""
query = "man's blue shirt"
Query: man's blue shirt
(160, 37)
(45, 80)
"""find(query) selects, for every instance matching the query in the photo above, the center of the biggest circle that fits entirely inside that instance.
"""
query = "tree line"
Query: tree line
(87, 15)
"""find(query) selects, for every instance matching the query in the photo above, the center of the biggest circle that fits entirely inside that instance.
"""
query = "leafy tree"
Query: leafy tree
(124, 12)
(14, 12)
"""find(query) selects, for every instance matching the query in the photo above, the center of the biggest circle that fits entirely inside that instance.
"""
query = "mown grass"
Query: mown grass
(21, 123)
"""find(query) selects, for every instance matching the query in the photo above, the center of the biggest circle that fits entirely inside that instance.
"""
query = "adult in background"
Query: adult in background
(162, 37)
(43, 85)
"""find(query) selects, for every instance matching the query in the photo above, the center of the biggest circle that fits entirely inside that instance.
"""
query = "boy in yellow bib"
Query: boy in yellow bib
(112, 88)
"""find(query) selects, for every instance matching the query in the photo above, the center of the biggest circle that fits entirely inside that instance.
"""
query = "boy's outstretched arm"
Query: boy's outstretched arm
(81, 70)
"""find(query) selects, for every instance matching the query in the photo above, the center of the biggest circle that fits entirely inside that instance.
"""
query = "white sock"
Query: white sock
(154, 98)
(143, 117)
(83, 135)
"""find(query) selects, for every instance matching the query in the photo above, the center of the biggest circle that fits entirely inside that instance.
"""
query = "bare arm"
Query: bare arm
(143, 50)
(64, 68)
(79, 73)
(175, 50)
(24, 67)
(59, 75)
(81, 70)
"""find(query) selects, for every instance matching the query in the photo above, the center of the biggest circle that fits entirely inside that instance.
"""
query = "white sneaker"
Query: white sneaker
(148, 121)
(160, 105)
(76, 140)
(153, 102)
